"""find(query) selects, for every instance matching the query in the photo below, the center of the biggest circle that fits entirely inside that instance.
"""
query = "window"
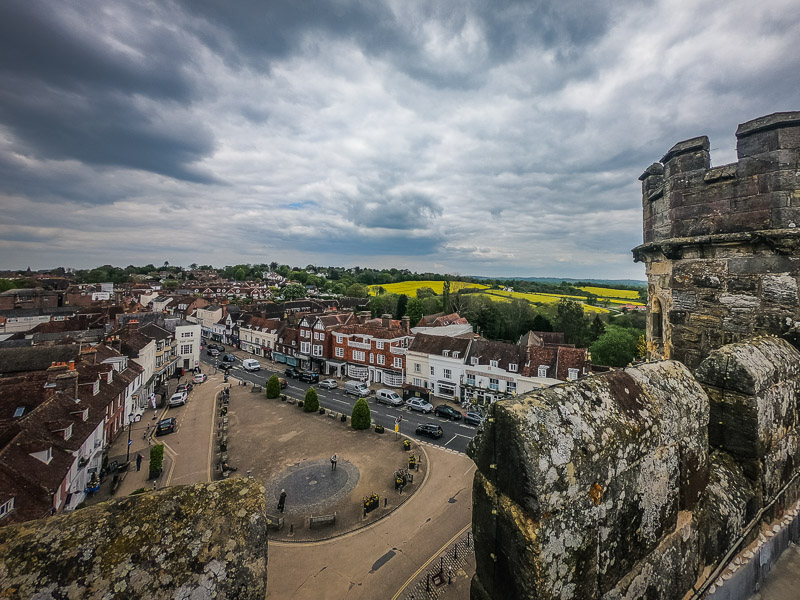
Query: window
(379, 345)
(358, 355)
(417, 367)
(19, 412)
(317, 350)
(492, 363)
(371, 358)
(381, 359)
(470, 379)
(6, 507)
(186, 348)
(512, 367)
(417, 382)
(494, 384)
(339, 339)
(433, 371)
(186, 334)
(305, 347)
(321, 337)
(445, 352)
(542, 371)
(473, 361)
(398, 363)
(339, 353)
(572, 374)
(456, 353)
(447, 374)
(511, 387)
(68, 432)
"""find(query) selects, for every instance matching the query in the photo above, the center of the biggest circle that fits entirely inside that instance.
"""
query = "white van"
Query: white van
(356, 388)
(251, 364)
(388, 397)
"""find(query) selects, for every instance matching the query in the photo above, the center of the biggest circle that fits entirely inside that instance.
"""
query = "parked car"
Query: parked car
(292, 372)
(431, 430)
(328, 384)
(225, 366)
(309, 377)
(184, 387)
(419, 404)
(166, 426)
(212, 352)
(200, 377)
(251, 364)
(283, 382)
(219, 347)
(388, 397)
(357, 388)
(443, 410)
(178, 399)
(473, 418)
(228, 357)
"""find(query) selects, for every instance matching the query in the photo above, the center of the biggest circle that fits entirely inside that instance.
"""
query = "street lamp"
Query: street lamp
(130, 424)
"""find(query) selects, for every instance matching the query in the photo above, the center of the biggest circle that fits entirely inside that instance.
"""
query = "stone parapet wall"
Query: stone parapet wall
(199, 541)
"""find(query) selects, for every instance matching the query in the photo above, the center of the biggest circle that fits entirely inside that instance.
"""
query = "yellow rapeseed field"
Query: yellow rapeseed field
(610, 293)
(409, 288)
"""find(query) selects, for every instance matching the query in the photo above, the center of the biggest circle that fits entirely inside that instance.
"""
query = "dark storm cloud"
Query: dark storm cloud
(67, 92)
(398, 211)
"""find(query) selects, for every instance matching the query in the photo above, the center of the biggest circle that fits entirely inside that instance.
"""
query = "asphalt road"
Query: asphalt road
(457, 434)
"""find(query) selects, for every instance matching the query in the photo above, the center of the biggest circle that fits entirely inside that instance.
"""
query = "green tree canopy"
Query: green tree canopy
(273, 387)
(402, 306)
(414, 310)
(596, 329)
(570, 321)
(361, 417)
(425, 292)
(293, 291)
(615, 348)
(357, 290)
(311, 402)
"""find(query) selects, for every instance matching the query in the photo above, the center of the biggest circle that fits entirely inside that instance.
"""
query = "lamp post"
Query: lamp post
(130, 424)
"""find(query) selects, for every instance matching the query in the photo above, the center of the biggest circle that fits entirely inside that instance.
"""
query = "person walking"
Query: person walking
(282, 500)
(139, 458)
(334, 458)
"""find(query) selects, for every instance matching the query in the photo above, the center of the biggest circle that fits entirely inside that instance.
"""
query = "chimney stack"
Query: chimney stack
(386, 321)
(405, 324)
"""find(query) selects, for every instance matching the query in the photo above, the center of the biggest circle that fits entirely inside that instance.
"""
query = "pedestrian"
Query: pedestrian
(139, 462)
(282, 500)
(334, 458)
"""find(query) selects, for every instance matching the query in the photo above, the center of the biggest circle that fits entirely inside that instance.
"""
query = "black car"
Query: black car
(219, 347)
(225, 366)
(309, 377)
(431, 430)
(166, 426)
(447, 411)
(212, 352)
(228, 358)
(292, 372)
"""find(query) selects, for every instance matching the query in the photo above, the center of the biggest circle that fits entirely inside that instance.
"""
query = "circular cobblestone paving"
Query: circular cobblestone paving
(312, 485)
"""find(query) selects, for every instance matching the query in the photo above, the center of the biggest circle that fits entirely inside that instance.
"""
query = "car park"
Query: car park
(166, 426)
(388, 397)
(178, 399)
(419, 404)
(228, 357)
(432, 430)
(184, 387)
(309, 377)
(200, 377)
(212, 352)
(328, 384)
(443, 410)
(473, 418)
(292, 372)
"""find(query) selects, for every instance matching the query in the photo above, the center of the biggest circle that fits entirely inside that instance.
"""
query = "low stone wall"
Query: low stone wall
(199, 541)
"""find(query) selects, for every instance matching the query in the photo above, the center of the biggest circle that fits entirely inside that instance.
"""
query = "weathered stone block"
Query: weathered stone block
(684, 300)
(780, 289)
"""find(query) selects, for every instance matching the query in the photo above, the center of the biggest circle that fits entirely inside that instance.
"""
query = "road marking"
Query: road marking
(451, 439)
(430, 560)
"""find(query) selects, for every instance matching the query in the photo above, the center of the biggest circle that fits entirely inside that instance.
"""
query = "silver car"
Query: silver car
(419, 404)
(388, 397)
(328, 384)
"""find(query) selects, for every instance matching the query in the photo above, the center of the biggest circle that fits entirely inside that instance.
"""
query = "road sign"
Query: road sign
(396, 427)
(398, 418)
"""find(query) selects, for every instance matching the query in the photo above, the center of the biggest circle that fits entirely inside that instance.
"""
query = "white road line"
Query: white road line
(451, 439)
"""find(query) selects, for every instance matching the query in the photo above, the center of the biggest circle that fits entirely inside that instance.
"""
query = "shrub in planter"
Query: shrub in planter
(156, 461)
(299, 404)
(322, 411)
(273, 387)
(311, 402)
(361, 418)
(406, 444)
(343, 418)
(379, 429)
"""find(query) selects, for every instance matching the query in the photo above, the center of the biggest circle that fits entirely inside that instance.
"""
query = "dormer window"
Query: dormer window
(96, 387)
(542, 371)
(473, 361)
(44, 455)
(512, 367)
(492, 363)
(68, 432)
(6, 507)
(445, 352)
(455, 353)
(19, 412)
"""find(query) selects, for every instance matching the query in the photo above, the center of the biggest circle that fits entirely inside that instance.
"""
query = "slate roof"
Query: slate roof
(504, 353)
(437, 344)
(35, 358)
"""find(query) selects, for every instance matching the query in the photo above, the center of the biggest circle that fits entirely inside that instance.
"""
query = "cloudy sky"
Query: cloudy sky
(477, 137)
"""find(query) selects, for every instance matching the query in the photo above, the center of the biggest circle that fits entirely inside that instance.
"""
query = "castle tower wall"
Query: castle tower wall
(721, 244)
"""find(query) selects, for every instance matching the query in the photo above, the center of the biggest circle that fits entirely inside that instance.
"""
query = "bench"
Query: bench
(321, 520)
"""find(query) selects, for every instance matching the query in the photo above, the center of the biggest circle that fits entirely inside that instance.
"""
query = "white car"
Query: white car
(178, 399)
(419, 404)
(388, 397)
(200, 377)
(328, 384)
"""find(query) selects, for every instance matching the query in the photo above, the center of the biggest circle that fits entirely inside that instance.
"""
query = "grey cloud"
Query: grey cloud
(398, 211)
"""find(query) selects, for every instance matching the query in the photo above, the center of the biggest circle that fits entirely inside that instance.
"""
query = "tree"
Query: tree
(570, 321)
(239, 274)
(361, 417)
(385, 304)
(446, 296)
(193, 266)
(615, 348)
(171, 284)
(425, 292)
(414, 310)
(357, 290)
(596, 329)
(156, 461)
(541, 323)
(273, 387)
(293, 291)
(402, 306)
(311, 402)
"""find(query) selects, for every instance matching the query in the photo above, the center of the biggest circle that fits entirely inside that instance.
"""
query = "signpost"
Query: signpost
(397, 426)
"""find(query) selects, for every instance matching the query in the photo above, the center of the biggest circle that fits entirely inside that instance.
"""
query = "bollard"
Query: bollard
(385, 501)
(450, 576)
(291, 529)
